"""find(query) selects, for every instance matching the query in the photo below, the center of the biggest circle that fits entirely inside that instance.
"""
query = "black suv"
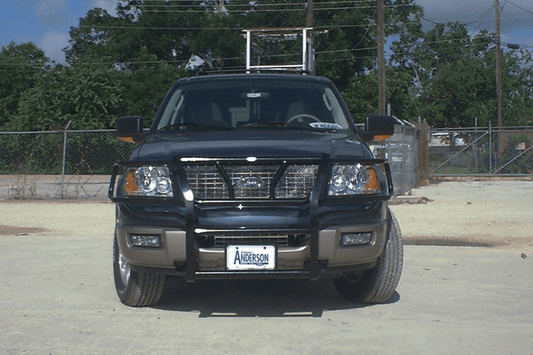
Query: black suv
(254, 176)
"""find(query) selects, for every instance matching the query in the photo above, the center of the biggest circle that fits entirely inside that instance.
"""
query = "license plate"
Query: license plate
(251, 257)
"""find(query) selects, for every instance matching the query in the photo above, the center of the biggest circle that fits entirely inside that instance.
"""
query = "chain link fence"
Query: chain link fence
(77, 164)
(58, 164)
(402, 151)
(481, 151)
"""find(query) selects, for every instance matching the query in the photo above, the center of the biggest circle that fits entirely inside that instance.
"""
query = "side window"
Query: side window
(335, 108)
(172, 111)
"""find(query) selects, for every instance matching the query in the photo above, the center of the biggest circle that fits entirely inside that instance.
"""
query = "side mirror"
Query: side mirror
(378, 127)
(131, 129)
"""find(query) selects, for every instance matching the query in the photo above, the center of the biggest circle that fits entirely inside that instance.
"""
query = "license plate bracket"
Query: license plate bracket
(250, 257)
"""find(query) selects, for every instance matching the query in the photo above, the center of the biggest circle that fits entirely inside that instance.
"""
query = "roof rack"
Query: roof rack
(262, 44)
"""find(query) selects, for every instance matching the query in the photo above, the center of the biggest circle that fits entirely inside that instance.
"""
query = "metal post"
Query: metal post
(490, 147)
(304, 50)
(498, 65)
(475, 147)
(248, 49)
(64, 158)
(382, 93)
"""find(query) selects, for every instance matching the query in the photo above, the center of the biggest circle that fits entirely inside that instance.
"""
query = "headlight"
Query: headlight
(352, 180)
(148, 181)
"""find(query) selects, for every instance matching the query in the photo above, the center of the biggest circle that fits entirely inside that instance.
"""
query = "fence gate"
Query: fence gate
(481, 151)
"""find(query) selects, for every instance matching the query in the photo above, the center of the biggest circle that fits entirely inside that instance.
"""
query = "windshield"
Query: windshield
(246, 104)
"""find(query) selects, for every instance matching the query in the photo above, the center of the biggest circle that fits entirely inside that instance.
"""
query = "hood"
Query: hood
(253, 143)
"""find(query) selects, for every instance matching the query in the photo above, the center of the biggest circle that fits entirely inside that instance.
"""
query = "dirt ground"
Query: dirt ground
(466, 287)
(494, 214)
(472, 213)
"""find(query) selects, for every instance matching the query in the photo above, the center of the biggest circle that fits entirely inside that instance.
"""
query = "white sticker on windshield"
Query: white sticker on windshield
(325, 125)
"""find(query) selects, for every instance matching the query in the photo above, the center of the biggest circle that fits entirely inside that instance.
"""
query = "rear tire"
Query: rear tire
(376, 285)
(136, 289)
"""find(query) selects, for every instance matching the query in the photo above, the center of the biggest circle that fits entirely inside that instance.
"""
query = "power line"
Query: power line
(470, 21)
(483, 18)
(134, 27)
(168, 8)
(169, 4)
(520, 7)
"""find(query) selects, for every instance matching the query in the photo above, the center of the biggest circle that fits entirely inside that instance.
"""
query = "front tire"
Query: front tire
(378, 284)
(136, 289)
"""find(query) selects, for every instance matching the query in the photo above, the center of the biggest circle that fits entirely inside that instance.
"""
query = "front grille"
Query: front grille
(275, 239)
(261, 181)
(297, 181)
(216, 240)
(251, 181)
(206, 182)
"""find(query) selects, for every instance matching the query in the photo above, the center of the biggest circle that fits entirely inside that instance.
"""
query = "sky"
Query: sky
(516, 17)
(47, 22)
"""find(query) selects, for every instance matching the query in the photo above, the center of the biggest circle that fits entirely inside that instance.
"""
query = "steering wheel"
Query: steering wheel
(302, 117)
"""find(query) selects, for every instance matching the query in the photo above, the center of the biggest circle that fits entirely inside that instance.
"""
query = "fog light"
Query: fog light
(146, 241)
(349, 239)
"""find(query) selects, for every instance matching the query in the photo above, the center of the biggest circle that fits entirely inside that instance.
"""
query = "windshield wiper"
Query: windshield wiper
(194, 124)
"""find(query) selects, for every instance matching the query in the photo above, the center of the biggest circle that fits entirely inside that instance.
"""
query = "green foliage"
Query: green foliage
(31, 154)
(362, 99)
(151, 42)
(145, 88)
(124, 65)
(454, 80)
(87, 96)
(20, 66)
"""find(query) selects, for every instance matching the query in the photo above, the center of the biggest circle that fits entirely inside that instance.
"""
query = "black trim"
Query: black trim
(316, 194)
(190, 242)
(389, 179)
(276, 179)
(227, 180)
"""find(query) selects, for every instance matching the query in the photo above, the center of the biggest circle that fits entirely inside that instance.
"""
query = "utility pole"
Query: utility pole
(309, 15)
(382, 106)
(498, 64)
(310, 23)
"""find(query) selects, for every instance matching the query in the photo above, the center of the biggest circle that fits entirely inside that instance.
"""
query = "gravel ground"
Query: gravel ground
(58, 295)
(476, 213)
(473, 213)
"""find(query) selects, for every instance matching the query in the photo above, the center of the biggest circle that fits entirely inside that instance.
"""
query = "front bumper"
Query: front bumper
(331, 258)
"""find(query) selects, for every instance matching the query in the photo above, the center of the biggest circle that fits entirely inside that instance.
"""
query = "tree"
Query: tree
(89, 96)
(160, 36)
(124, 65)
(20, 65)
(362, 99)
(454, 76)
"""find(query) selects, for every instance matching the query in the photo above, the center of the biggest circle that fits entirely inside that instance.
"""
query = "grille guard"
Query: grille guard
(182, 189)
